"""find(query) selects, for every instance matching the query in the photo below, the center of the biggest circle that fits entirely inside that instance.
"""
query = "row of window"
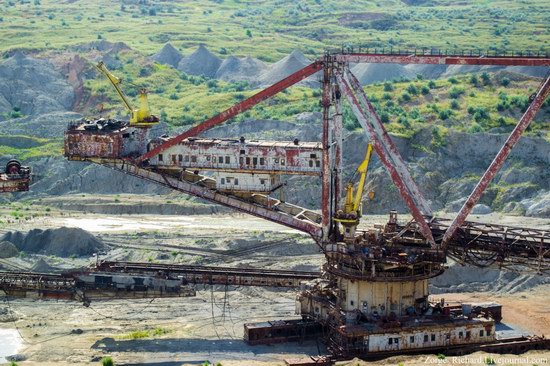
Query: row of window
(227, 160)
(428, 337)
(235, 181)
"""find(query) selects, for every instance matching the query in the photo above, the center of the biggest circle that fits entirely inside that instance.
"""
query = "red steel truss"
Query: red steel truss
(383, 145)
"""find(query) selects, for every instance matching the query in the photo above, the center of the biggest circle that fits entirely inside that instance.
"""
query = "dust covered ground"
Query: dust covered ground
(209, 326)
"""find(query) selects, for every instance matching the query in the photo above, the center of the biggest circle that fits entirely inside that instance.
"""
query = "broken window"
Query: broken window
(193, 158)
(276, 160)
(481, 333)
(186, 158)
(262, 181)
(220, 159)
(411, 339)
(242, 152)
(425, 338)
(317, 163)
(460, 335)
(227, 160)
(433, 337)
(390, 340)
(262, 161)
(313, 156)
(468, 334)
(311, 163)
(161, 157)
(223, 180)
(247, 160)
(180, 158)
(241, 160)
(236, 181)
(174, 159)
(282, 161)
(396, 340)
(255, 161)
(488, 332)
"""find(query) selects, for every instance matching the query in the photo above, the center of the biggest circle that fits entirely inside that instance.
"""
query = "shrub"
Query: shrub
(388, 87)
(455, 92)
(432, 85)
(445, 114)
(475, 128)
(474, 80)
(412, 89)
(384, 117)
(405, 96)
(452, 80)
(107, 361)
(425, 90)
(505, 82)
(485, 79)
(454, 104)
(174, 96)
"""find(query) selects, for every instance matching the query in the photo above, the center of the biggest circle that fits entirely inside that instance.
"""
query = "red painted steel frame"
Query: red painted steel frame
(499, 160)
(238, 108)
(378, 146)
(442, 59)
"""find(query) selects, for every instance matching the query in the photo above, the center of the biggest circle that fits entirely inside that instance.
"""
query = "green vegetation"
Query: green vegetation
(147, 333)
(107, 361)
(273, 28)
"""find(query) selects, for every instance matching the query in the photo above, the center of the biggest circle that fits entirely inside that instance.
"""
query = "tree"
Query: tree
(107, 361)
(248, 33)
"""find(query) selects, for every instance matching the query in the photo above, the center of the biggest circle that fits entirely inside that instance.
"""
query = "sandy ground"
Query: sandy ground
(210, 325)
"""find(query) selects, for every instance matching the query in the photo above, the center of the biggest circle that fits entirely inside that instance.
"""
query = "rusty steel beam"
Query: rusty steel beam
(380, 151)
(442, 59)
(391, 150)
(269, 211)
(238, 108)
(19, 184)
(326, 176)
(213, 275)
(498, 161)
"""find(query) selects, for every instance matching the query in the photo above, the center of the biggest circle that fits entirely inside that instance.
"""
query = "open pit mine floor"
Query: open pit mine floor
(209, 327)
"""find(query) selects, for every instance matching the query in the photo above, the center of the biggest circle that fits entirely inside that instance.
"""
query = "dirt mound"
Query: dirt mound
(61, 242)
(102, 46)
(373, 73)
(459, 278)
(8, 250)
(168, 55)
(200, 62)
(283, 68)
(42, 266)
(466, 69)
(239, 69)
(32, 86)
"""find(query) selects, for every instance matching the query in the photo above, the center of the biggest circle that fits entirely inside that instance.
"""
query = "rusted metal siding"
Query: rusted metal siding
(499, 160)
(129, 141)
(433, 336)
(232, 155)
(235, 182)
(8, 184)
(378, 299)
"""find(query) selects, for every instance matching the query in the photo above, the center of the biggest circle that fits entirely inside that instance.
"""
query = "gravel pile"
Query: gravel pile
(61, 242)
(200, 62)
(283, 68)
(8, 250)
(241, 69)
(373, 73)
(168, 55)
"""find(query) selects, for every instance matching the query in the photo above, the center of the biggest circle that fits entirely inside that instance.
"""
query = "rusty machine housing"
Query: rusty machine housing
(15, 178)
(372, 297)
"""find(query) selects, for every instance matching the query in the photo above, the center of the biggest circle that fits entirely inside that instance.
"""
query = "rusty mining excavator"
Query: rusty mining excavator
(371, 297)
(15, 177)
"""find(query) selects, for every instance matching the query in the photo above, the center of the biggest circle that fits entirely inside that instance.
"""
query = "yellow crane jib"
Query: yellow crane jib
(351, 212)
(140, 117)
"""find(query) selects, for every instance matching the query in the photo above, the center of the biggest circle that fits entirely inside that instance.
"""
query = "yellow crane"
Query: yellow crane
(349, 216)
(140, 117)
